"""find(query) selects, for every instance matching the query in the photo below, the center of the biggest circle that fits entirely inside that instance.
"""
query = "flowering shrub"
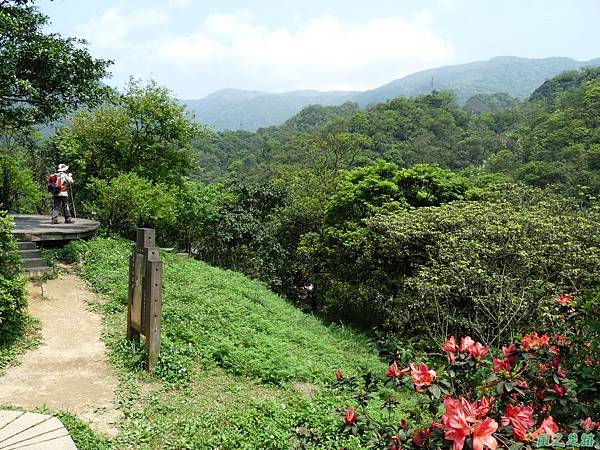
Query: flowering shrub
(527, 394)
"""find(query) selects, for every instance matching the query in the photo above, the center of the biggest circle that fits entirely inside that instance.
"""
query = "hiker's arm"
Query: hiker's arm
(70, 178)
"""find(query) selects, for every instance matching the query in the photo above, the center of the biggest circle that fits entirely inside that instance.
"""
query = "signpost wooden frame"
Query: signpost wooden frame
(145, 295)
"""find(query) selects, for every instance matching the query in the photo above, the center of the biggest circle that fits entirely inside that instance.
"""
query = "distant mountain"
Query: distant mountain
(232, 109)
(235, 109)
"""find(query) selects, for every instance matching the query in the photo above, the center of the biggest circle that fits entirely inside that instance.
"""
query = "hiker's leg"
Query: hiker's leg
(56, 207)
(66, 211)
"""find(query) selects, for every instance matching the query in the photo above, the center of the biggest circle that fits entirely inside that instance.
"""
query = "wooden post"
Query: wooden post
(145, 301)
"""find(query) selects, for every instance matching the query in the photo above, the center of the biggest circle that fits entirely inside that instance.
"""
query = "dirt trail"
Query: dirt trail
(68, 371)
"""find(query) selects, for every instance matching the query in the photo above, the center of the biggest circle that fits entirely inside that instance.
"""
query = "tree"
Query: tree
(42, 76)
(19, 190)
(129, 201)
(146, 132)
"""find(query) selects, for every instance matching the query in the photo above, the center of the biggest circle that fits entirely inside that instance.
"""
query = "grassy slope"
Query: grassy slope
(240, 368)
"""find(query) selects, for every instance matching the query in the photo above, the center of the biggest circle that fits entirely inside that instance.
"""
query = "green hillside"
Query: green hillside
(240, 367)
(235, 109)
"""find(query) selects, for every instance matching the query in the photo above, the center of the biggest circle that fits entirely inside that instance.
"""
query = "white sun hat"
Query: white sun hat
(63, 167)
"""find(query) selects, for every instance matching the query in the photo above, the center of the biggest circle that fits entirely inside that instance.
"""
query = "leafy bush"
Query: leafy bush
(12, 285)
(196, 210)
(477, 268)
(128, 201)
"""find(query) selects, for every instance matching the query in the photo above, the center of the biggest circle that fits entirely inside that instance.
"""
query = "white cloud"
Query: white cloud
(112, 29)
(236, 50)
(323, 52)
(180, 3)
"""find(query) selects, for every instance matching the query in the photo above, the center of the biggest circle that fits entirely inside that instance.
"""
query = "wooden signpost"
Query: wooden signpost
(145, 287)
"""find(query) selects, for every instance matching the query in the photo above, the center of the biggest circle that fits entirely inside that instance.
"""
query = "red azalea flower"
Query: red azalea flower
(561, 373)
(510, 353)
(502, 365)
(462, 419)
(533, 341)
(395, 372)
(544, 367)
(554, 349)
(565, 299)
(422, 376)
(483, 406)
(456, 423)
(436, 426)
(421, 436)
(547, 427)
(350, 417)
(520, 418)
(339, 375)
(561, 391)
(511, 350)
(522, 384)
(482, 434)
(478, 351)
(555, 362)
(450, 346)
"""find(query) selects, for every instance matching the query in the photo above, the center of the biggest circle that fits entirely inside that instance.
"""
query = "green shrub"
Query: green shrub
(129, 201)
(12, 285)
(478, 268)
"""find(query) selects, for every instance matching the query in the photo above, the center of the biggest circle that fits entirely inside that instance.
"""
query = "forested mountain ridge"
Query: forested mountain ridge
(232, 109)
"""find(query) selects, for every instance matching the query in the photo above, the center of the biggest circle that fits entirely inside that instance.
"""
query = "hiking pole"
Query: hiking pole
(73, 201)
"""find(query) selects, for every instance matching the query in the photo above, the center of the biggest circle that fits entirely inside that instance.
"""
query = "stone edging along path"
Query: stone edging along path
(69, 370)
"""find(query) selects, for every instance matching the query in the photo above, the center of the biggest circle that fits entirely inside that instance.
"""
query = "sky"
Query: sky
(196, 47)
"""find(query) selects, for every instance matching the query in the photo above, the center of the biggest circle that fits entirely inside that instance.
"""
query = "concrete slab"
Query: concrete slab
(32, 431)
(39, 229)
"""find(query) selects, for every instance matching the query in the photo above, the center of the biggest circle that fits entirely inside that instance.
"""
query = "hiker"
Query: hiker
(59, 184)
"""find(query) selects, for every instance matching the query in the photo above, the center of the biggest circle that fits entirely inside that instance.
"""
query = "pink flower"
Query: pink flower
(450, 346)
(395, 372)
(466, 343)
(422, 376)
(482, 434)
(588, 425)
(478, 351)
(520, 418)
(350, 417)
(547, 427)
(502, 365)
(339, 375)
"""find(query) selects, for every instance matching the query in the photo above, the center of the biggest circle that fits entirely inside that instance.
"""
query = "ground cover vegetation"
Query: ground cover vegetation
(412, 220)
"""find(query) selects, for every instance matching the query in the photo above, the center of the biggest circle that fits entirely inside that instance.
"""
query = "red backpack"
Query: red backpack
(54, 184)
